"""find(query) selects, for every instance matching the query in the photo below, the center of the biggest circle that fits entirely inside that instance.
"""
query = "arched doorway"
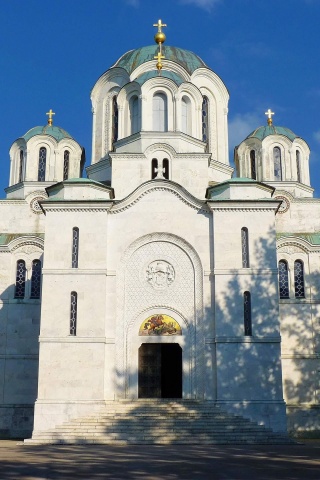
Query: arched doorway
(160, 370)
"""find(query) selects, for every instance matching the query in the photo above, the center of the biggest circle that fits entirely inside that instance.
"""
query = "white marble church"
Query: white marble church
(164, 273)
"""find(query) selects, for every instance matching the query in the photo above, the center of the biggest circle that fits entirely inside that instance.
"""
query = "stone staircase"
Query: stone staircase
(160, 422)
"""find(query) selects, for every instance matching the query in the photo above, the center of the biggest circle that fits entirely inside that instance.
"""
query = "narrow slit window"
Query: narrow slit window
(205, 109)
(20, 286)
(247, 314)
(66, 157)
(277, 163)
(134, 114)
(20, 179)
(160, 112)
(115, 120)
(298, 161)
(75, 247)
(154, 168)
(299, 279)
(42, 164)
(245, 247)
(36, 279)
(283, 279)
(73, 313)
(253, 164)
(186, 115)
(165, 168)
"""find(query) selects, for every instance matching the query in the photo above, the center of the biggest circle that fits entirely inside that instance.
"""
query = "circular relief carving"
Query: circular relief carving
(285, 204)
(34, 204)
(160, 274)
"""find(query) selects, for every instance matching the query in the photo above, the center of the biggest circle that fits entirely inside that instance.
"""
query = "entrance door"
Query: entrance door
(160, 370)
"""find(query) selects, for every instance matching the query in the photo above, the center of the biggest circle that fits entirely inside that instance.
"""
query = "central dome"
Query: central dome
(132, 59)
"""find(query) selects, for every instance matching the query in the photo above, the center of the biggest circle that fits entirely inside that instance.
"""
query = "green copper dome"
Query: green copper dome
(134, 58)
(262, 132)
(56, 132)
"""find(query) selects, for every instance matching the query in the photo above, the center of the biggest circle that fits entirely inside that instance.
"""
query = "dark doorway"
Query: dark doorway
(160, 370)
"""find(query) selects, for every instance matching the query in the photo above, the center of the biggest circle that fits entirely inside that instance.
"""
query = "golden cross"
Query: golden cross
(159, 25)
(50, 113)
(158, 57)
(269, 113)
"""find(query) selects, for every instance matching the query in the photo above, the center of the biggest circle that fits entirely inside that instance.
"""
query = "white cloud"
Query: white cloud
(241, 126)
(205, 4)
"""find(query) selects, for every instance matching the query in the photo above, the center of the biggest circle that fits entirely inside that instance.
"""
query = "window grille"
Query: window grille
(66, 157)
(298, 160)
(277, 163)
(115, 119)
(253, 164)
(247, 314)
(35, 279)
(205, 105)
(299, 279)
(245, 247)
(283, 279)
(75, 247)
(73, 313)
(20, 279)
(21, 167)
(42, 164)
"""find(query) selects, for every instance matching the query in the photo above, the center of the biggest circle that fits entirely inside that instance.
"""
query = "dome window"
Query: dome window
(277, 163)
(160, 112)
(186, 115)
(253, 164)
(66, 156)
(134, 114)
(205, 109)
(115, 120)
(298, 161)
(21, 167)
(42, 164)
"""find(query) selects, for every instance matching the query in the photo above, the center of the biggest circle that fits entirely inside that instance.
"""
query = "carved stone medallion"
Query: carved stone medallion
(34, 204)
(160, 274)
(284, 207)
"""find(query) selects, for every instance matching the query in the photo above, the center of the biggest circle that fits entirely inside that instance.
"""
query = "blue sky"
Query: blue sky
(266, 52)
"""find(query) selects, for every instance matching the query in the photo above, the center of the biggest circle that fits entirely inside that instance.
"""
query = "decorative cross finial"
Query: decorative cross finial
(159, 25)
(50, 113)
(158, 57)
(269, 113)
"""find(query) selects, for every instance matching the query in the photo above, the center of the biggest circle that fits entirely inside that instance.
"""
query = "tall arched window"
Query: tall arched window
(154, 168)
(75, 247)
(205, 120)
(165, 168)
(73, 313)
(36, 279)
(134, 114)
(245, 247)
(66, 157)
(253, 164)
(186, 115)
(247, 314)
(42, 164)
(299, 279)
(115, 119)
(277, 163)
(20, 179)
(20, 279)
(283, 279)
(298, 161)
(160, 112)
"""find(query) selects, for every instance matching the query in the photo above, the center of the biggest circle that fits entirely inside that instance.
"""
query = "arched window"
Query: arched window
(66, 157)
(186, 115)
(205, 125)
(298, 279)
(298, 161)
(277, 163)
(247, 314)
(73, 313)
(245, 247)
(35, 279)
(160, 112)
(134, 114)
(165, 168)
(20, 279)
(20, 179)
(154, 168)
(283, 279)
(42, 164)
(75, 247)
(115, 119)
(253, 164)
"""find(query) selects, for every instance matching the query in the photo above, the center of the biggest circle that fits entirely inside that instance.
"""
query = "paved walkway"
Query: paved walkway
(155, 462)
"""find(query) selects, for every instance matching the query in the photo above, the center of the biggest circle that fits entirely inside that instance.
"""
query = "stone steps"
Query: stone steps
(159, 422)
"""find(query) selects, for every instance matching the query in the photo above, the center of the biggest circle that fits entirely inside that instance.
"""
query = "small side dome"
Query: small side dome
(54, 131)
(262, 132)
(134, 58)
